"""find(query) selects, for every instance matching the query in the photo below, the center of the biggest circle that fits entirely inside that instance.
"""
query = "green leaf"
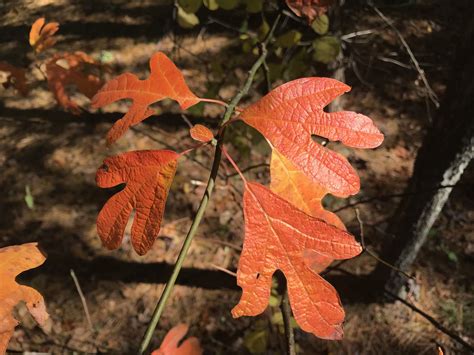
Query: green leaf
(263, 30)
(186, 20)
(211, 4)
(254, 6)
(190, 6)
(277, 319)
(298, 65)
(228, 4)
(256, 341)
(320, 25)
(326, 49)
(288, 39)
(29, 200)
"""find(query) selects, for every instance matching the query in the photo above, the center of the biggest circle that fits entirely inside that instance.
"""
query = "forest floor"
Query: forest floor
(56, 154)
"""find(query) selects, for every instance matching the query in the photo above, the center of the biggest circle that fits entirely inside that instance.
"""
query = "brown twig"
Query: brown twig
(83, 299)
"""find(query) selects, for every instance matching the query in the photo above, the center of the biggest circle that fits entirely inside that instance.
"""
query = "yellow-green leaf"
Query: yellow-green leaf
(263, 30)
(320, 25)
(228, 4)
(186, 20)
(190, 6)
(289, 39)
(254, 6)
(256, 342)
(211, 4)
(326, 49)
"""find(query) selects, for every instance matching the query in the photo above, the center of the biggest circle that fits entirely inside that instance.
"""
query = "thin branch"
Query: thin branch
(83, 299)
(223, 269)
(425, 315)
(284, 305)
(286, 313)
(249, 168)
(372, 254)
(205, 199)
(403, 194)
(431, 94)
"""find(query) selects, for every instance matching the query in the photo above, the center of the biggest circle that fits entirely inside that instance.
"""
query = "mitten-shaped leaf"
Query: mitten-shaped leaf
(291, 184)
(13, 261)
(169, 346)
(289, 115)
(41, 35)
(148, 175)
(277, 235)
(165, 81)
(72, 69)
(201, 133)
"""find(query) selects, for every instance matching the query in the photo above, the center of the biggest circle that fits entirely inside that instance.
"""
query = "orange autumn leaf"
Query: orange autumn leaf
(72, 69)
(289, 115)
(165, 81)
(277, 234)
(169, 346)
(41, 35)
(16, 78)
(201, 133)
(13, 261)
(147, 176)
(309, 8)
(291, 184)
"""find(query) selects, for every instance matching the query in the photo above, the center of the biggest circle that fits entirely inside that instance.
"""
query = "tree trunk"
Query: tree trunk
(446, 151)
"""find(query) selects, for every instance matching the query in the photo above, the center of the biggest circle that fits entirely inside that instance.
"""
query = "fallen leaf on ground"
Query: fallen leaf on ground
(169, 346)
(13, 261)
(41, 35)
(16, 78)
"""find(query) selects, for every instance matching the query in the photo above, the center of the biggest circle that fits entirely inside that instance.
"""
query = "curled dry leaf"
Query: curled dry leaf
(165, 81)
(76, 69)
(291, 184)
(169, 346)
(147, 176)
(16, 78)
(41, 35)
(277, 234)
(13, 261)
(201, 133)
(310, 9)
(289, 115)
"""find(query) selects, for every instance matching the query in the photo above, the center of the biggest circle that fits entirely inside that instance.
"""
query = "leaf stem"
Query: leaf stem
(213, 101)
(286, 313)
(206, 197)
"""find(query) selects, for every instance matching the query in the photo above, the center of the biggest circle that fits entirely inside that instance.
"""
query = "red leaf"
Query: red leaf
(291, 184)
(72, 69)
(41, 35)
(291, 113)
(148, 175)
(169, 346)
(276, 237)
(13, 261)
(309, 8)
(201, 133)
(165, 81)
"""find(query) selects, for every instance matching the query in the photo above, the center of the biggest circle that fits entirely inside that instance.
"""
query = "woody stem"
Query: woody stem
(207, 194)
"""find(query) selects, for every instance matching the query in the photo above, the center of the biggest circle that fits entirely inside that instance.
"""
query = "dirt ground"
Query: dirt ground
(55, 155)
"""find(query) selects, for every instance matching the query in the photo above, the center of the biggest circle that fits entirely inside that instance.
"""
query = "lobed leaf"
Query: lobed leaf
(147, 176)
(295, 187)
(169, 346)
(289, 115)
(277, 235)
(165, 81)
(13, 261)
(72, 69)
(41, 35)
